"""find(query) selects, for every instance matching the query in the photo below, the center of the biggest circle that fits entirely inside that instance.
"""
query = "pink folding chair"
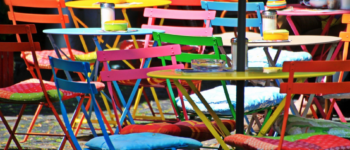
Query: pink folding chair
(111, 76)
(153, 14)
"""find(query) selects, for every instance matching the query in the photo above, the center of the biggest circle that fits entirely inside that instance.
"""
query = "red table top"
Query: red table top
(300, 10)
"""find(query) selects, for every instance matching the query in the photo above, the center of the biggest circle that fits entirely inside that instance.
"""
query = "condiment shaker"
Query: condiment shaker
(269, 20)
(234, 53)
(107, 13)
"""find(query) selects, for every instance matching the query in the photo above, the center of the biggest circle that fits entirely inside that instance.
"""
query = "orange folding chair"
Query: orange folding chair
(344, 35)
(311, 88)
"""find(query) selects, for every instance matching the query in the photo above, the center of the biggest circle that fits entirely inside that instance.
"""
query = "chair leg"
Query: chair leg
(330, 110)
(61, 125)
(137, 101)
(157, 102)
(63, 142)
(148, 102)
(107, 106)
(183, 105)
(31, 126)
(340, 114)
(13, 131)
(177, 115)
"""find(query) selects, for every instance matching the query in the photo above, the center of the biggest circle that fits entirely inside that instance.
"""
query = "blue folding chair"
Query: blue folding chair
(233, 6)
(130, 141)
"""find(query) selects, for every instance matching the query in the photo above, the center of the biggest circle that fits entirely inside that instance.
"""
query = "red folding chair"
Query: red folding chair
(291, 87)
(32, 91)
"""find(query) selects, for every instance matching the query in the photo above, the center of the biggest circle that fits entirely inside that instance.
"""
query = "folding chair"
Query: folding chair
(111, 76)
(55, 18)
(344, 35)
(153, 14)
(132, 141)
(32, 91)
(311, 88)
(216, 43)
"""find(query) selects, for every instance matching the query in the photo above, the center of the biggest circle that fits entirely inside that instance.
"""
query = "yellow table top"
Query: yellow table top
(247, 75)
(92, 4)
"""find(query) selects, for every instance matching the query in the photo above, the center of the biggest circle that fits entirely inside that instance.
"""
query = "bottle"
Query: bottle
(234, 53)
(107, 13)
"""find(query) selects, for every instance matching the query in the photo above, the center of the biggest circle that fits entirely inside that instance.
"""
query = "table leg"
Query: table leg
(127, 20)
(201, 115)
(318, 79)
(274, 115)
(295, 30)
(75, 21)
(324, 31)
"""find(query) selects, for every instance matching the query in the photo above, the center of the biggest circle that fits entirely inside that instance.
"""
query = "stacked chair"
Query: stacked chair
(112, 142)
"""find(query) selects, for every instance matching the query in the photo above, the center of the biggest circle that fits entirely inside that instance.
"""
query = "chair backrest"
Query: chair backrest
(32, 46)
(58, 18)
(185, 3)
(34, 17)
(314, 88)
(215, 42)
(154, 13)
(345, 37)
(132, 54)
(73, 66)
(78, 87)
(233, 6)
(311, 88)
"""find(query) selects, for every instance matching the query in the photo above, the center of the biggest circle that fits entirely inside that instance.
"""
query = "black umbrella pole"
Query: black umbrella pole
(240, 65)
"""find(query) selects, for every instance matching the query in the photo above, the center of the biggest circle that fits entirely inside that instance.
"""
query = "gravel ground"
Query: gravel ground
(46, 123)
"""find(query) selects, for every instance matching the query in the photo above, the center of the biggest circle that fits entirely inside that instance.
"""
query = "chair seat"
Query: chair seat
(191, 129)
(43, 58)
(143, 141)
(255, 98)
(257, 57)
(307, 141)
(297, 125)
(129, 44)
(29, 91)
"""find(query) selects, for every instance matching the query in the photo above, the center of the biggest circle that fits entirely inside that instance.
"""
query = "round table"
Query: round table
(300, 10)
(96, 32)
(294, 40)
(247, 75)
(93, 4)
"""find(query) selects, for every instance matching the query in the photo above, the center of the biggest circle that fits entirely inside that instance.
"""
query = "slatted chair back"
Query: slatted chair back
(58, 18)
(131, 74)
(291, 87)
(78, 87)
(32, 47)
(215, 42)
(153, 14)
(11, 47)
(233, 6)
(185, 3)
